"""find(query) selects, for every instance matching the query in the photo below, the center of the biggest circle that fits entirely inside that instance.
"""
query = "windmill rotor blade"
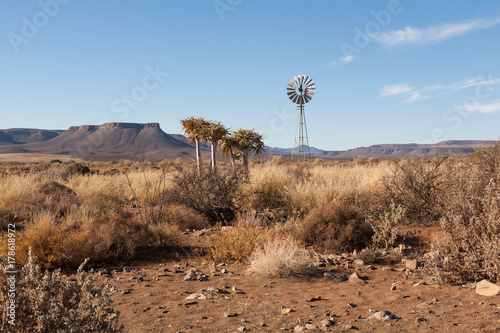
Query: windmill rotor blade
(307, 98)
(309, 80)
(312, 85)
(291, 94)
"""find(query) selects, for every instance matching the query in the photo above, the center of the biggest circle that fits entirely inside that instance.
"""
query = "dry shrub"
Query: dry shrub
(386, 229)
(56, 245)
(184, 217)
(49, 196)
(237, 243)
(115, 236)
(280, 258)
(334, 228)
(419, 185)
(45, 302)
(468, 247)
(213, 195)
(164, 234)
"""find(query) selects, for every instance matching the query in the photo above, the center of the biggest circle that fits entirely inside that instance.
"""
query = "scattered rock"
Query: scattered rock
(299, 328)
(187, 327)
(327, 322)
(313, 299)
(359, 262)
(311, 327)
(191, 276)
(202, 294)
(217, 290)
(230, 314)
(190, 303)
(126, 291)
(335, 277)
(351, 305)
(237, 291)
(285, 311)
(243, 329)
(486, 288)
(382, 315)
(411, 264)
(393, 287)
(354, 278)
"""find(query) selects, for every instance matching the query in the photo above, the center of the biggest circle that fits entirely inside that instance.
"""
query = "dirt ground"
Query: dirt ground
(151, 293)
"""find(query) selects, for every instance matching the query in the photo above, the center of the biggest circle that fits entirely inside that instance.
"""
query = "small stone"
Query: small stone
(313, 299)
(393, 287)
(351, 305)
(359, 262)
(326, 323)
(191, 276)
(382, 315)
(230, 314)
(311, 326)
(421, 320)
(486, 288)
(411, 264)
(285, 311)
(237, 291)
(354, 278)
(335, 277)
(347, 326)
(147, 295)
(372, 310)
(202, 294)
(187, 327)
(190, 303)
(243, 329)
(224, 271)
(299, 328)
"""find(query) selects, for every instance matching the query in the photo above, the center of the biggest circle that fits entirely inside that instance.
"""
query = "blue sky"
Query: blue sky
(385, 71)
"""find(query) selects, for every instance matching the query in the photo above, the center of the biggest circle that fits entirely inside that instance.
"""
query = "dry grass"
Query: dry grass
(299, 188)
(280, 258)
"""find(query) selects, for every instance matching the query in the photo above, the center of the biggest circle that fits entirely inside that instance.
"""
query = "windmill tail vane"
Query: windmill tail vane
(300, 90)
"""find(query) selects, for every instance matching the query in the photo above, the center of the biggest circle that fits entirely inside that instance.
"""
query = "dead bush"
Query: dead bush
(334, 228)
(419, 184)
(212, 194)
(115, 237)
(184, 218)
(468, 247)
(49, 196)
(46, 302)
(237, 243)
(280, 258)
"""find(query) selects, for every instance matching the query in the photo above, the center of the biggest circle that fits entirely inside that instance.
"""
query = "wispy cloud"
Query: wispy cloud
(343, 60)
(347, 59)
(484, 107)
(438, 33)
(413, 94)
(395, 89)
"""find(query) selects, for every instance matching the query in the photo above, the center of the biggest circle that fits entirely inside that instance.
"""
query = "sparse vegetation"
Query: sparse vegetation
(45, 302)
(280, 258)
(334, 228)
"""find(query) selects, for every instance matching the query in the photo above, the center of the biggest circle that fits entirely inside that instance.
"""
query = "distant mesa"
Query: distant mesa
(100, 142)
(116, 140)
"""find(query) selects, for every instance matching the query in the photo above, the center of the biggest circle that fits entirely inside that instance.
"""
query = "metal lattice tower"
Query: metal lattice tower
(300, 90)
